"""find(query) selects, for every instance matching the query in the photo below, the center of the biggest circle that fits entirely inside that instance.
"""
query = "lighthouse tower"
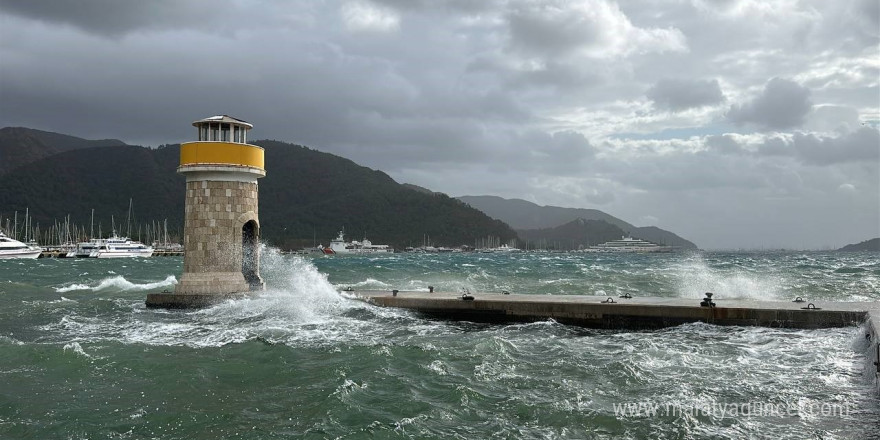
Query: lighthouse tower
(221, 226)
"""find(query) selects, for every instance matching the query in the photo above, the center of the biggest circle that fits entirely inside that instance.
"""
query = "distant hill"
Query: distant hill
(523, 216)
(577, 234)
(867, 245)
(20, 146)
(306, 196)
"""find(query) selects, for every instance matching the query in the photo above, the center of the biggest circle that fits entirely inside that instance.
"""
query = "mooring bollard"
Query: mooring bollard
(707, 301)
(394, 292)
(430, 289)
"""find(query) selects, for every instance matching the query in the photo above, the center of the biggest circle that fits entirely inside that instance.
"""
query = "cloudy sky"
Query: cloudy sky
(734, 123)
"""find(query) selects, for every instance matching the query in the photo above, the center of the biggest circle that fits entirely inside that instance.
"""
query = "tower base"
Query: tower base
(216, 283)
(188, 300)
(197, 290)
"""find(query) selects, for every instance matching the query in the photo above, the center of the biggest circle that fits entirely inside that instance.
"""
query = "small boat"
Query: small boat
(11, 248)
(120, 247)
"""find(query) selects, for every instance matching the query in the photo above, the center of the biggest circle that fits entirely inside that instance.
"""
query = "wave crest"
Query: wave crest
(119, 283)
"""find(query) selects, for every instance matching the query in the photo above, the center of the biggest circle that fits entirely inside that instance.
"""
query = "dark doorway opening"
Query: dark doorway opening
(250, 255)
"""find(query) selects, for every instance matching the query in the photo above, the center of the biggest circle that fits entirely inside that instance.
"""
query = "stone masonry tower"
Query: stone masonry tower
(222, 227)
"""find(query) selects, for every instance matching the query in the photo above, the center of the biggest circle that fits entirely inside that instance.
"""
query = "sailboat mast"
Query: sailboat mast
(128, 220)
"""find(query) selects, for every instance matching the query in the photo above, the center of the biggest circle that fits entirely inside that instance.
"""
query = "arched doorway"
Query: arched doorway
(250, 254)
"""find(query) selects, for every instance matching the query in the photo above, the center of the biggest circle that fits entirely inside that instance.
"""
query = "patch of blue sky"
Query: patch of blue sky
(679, 133)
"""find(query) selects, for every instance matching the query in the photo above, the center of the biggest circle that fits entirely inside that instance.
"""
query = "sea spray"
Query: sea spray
(696, 277)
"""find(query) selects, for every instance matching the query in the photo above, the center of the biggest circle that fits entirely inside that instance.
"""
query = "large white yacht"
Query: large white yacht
(117, 247)
(504, 248)
(339, 246)
(10, 248)
(84, 249)
(628, 244)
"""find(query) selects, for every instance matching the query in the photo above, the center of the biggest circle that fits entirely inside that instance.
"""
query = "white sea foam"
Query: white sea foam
(75, 348)
(299, 307)
(299, 303)
(72, 287)
(10, 340)
(437, 367)
(371, 283)
(119, 283)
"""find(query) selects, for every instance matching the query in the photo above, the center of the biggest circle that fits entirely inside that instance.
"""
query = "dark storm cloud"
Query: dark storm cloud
(833, 118)
(112, 17)
(869, 12)
(467, 6)
(682, 94)
(724, 144)
(517, 98)
(863, 145)
(548, 31)
(859, 146)
(775, 146)
(565, 151)
(783, 104)
(567, 77)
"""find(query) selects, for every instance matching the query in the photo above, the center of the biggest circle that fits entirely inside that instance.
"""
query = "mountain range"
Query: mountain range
(570, 227)
(306, 197)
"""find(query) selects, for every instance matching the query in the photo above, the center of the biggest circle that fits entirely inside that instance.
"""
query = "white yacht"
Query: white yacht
(503, 249)
(84, 249)
(628, 244)
(339, 246)
(119, 247)
(10, 248)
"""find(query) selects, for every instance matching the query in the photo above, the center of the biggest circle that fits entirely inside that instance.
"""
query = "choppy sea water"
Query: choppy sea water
(81, 357)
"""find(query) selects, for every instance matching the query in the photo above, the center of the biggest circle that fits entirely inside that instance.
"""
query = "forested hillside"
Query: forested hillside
(21, 146)
(306, 197)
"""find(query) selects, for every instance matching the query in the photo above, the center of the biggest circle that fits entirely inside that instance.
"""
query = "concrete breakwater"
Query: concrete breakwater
(639, 312)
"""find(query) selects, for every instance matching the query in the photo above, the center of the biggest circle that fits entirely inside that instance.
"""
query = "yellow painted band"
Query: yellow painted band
(226, 153)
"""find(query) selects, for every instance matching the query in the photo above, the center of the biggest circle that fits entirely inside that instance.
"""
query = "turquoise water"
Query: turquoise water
(80, 356)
